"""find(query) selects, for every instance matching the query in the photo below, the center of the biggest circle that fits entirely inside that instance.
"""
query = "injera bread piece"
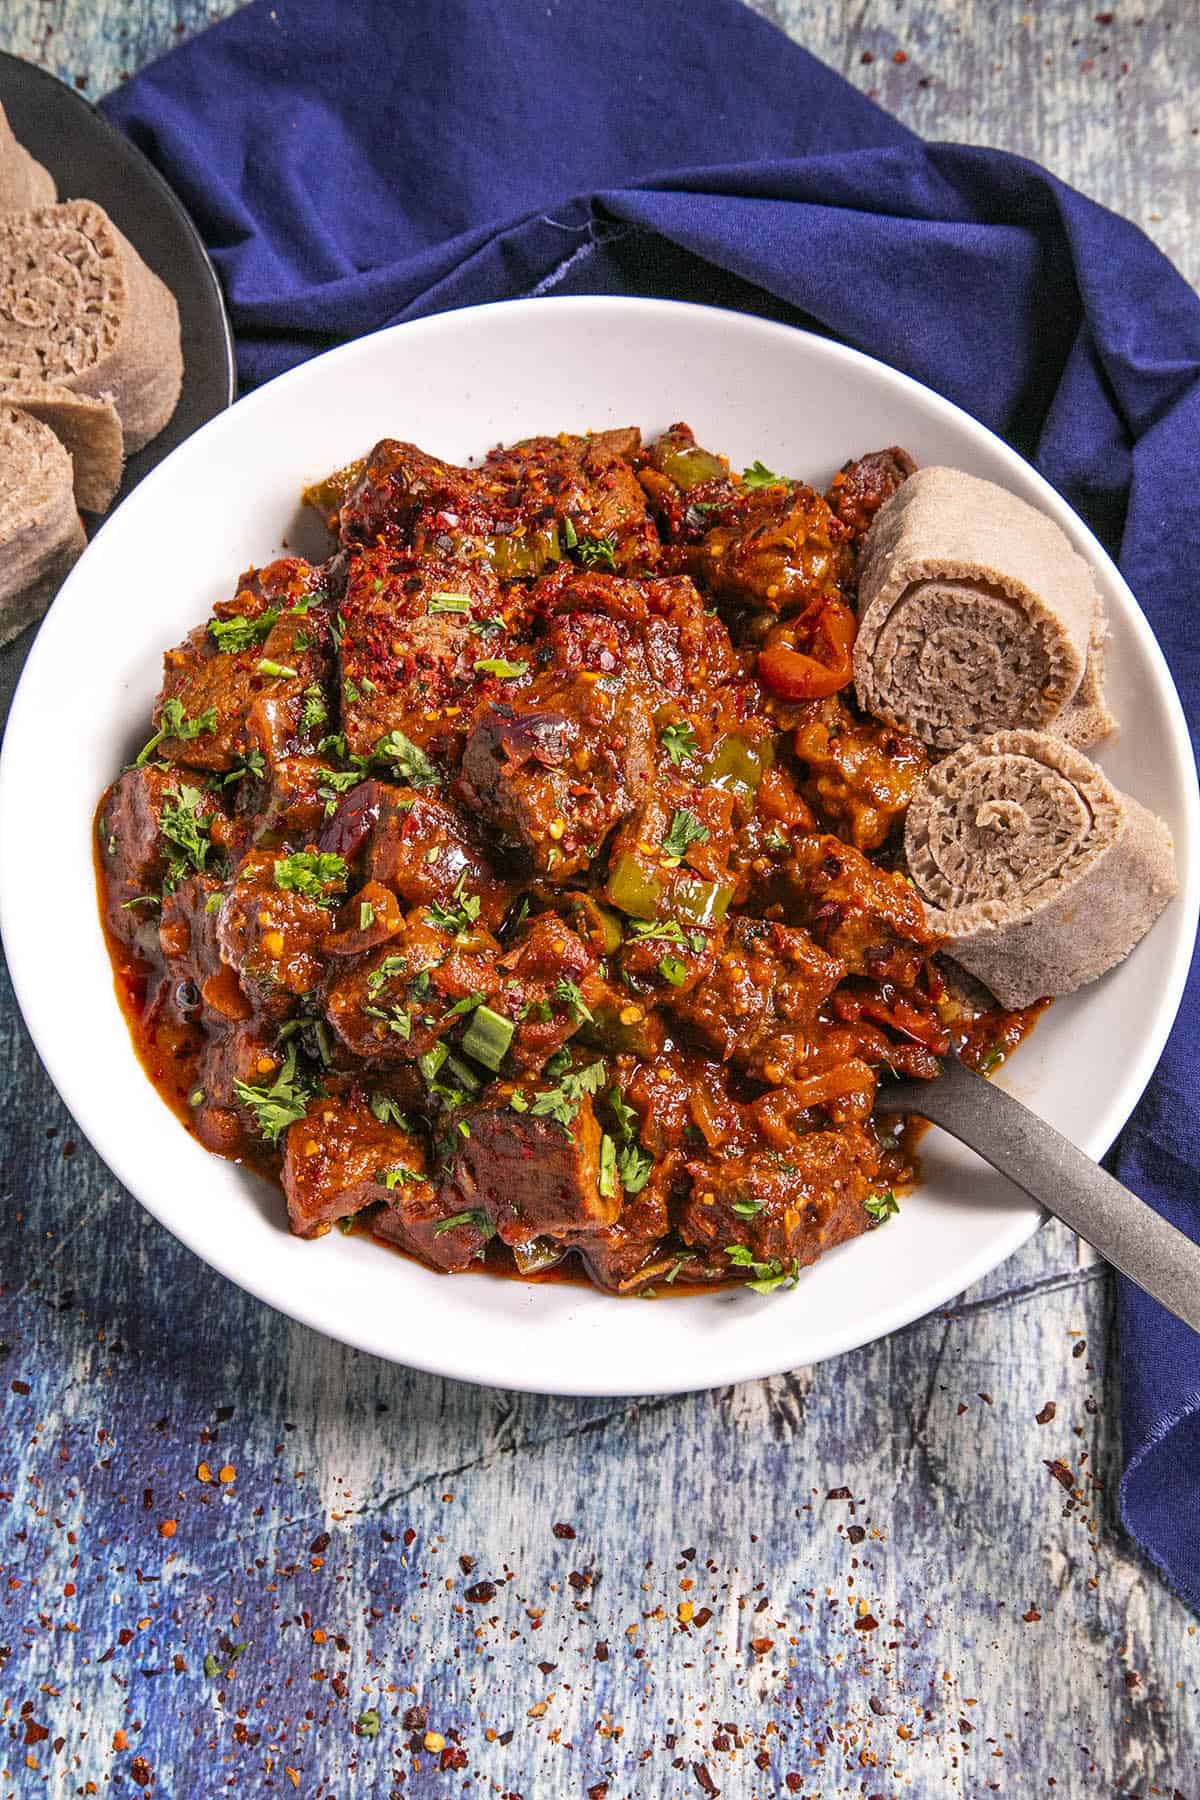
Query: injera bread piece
(1034, 869)
(79, 309)
(976, 615)
(40, 532)
(23, 180)
(89, 429)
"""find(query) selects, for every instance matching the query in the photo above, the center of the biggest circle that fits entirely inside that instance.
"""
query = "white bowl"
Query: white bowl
(457, 384)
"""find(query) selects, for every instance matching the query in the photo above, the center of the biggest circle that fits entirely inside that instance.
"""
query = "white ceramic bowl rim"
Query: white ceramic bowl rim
(534, 359)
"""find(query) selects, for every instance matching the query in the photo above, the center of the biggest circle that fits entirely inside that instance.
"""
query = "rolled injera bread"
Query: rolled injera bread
(90, 431)
(1034, 869)
(23, 180)
(79, 309)
(40, 532)
(976, 615)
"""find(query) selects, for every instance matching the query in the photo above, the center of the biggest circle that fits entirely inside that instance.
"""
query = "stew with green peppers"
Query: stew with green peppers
(518, 886)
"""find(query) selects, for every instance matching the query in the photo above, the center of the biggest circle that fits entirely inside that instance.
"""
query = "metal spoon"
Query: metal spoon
(1127, 1232)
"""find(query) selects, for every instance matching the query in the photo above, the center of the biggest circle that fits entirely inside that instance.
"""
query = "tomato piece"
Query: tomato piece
(822, 667)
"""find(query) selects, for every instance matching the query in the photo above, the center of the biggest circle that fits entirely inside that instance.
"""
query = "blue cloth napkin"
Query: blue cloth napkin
(354, 166)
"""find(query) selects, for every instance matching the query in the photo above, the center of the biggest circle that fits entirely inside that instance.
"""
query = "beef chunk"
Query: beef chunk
(689, 487)
(289, 800)
(547, 986)
(223, 675)
(272, 934)
(554, 772)
(370, 917)
(520, 509)
(239, 1051)
(860, 488)
(782, 550)
(529, 1173)
(341, 1157)
(407, 654)
(626, 1255)
(669, 864)
(421, 848)
(434, 1226)
(859, 774)
(760, 996)
(155, 828)
(785, 1207)
(871, 918)
(397, 1003)
(657, 631)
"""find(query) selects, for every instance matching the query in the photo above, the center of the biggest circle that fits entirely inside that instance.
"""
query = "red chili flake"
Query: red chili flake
(1061, 1473)
(702, 1617)
(1105, 18)
(1080, 1347)
(20, 1387)
(762, 1645)
(599, 1792)
(1132, 1678)
(481, 1593)
(856, 1533)
(547, 1668)
(900, 56)
(842, 1493)
(705, 1780)
(34, 1733)
(564, 1531)
(1047, 1413)
(1032, 1617)
(579, 1581)
(466, 1564)
(140, 1772)
(966, 1727)
(866, 57)
(410, 1537)
(319, 1544)
(793, 1783)
(601, 1651)
(453, 1757)
(868, 1622)
(416, 1718)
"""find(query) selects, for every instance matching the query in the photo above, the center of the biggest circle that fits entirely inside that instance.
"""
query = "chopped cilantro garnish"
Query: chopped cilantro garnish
(253, 763)
(408, 761)
(569, 994)
(678, 740)
(312, 873)
(174, 722)
(562, 1103)
(278, 1106)
(479, 1220)
(747, 1209)
(239, 633)
(634, 1165)
(390, 967)
(397, 1175)
(759, 476)
(186, 832)
(673, 969)
(767, 1275)
(626, 1117)
(387, 1110)
(314, 711)
(463, 910)
(368, 1724)
(596, 552)
(882, 1205)
(684, 829)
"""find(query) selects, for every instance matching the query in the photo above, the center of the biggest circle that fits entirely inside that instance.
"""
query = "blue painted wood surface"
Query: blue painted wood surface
(237, 1558)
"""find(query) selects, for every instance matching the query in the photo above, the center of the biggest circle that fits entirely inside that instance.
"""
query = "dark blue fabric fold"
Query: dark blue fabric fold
(353, 166)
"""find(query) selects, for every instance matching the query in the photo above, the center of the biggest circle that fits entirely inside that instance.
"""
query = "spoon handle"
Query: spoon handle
(1127, 1233)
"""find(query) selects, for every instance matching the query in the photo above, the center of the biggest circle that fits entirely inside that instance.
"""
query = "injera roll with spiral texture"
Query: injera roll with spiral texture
(23, 180)
(976, 615)
(79, 309)
(40, 532)
(89, 430)
(1034, 869)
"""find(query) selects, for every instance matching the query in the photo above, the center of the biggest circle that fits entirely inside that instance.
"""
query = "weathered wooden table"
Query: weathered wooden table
(237, 1558)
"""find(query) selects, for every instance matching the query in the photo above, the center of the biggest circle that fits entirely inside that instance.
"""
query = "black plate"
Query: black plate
(91, 160)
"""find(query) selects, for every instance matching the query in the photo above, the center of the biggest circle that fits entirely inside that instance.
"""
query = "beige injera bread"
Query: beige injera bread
(40, 532)
(79, 309)
(23, 180)
(976, 615)
(1036, 871)
(89, 429)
